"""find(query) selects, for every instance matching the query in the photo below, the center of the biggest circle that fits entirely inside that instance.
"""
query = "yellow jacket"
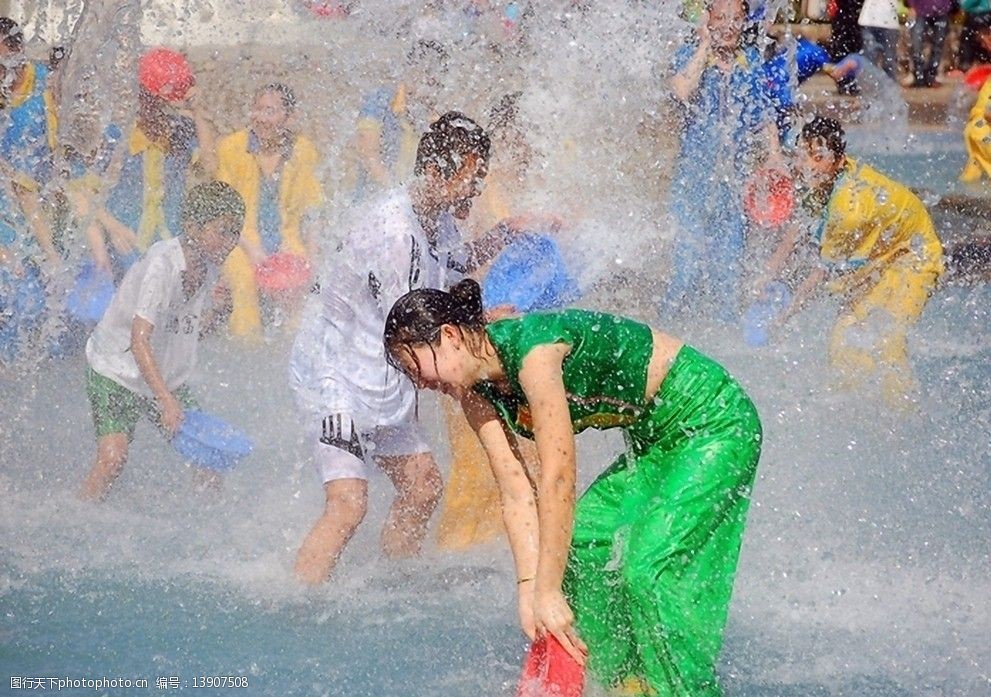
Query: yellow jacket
(299, 188)
(299, 191)
(872, 222)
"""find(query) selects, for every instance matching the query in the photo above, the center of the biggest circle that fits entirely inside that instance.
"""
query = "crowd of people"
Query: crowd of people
(911, 39)
(187, 231)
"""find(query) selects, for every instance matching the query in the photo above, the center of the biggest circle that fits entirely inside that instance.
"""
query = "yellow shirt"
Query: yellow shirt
(299, 187)
(872, 222)
(152, 226)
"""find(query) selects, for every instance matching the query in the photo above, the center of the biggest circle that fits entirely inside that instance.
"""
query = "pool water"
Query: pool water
(865, 568)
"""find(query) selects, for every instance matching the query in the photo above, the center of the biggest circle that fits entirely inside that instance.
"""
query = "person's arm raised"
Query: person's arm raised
(685, 82)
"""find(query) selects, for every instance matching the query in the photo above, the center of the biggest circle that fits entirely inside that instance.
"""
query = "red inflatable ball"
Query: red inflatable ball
(282, 272)
(769, 197)
(977, 76)
(165, 73)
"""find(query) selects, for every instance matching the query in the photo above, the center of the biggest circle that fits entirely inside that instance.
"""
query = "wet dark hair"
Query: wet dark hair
(450, 140)
(284, 93)
(212, 200)
(417, 317)
(829, 131)
(11, 35)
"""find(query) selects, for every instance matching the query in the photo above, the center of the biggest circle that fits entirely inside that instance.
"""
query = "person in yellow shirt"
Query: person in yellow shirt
(879, 251)
(170, 145)
(275, 171)
(977, 132)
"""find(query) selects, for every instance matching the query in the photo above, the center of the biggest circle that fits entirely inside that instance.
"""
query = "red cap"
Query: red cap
(165, 73)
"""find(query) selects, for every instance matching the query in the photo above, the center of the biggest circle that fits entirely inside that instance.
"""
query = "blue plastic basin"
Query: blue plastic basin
(211, 442)
(529, 274)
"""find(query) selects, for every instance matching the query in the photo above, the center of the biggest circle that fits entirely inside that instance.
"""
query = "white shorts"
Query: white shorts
(341, 449)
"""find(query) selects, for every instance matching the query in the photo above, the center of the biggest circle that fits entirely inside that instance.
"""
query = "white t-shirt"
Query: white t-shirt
(151, 289)
(338, 362)
(879, 13)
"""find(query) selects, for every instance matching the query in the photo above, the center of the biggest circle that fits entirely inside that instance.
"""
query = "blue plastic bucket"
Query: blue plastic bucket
(211, 442)
(758, 318)
(90, 295)
(529, 274)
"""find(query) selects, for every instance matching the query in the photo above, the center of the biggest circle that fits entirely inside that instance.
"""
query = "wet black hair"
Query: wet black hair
(284, 92)
(417, 317)
(829, 131)
(450, 140)
(212, 200)
(11, 35)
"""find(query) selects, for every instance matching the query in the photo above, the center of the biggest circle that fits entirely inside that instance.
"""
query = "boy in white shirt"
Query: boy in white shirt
(144, 349)
(356, 405)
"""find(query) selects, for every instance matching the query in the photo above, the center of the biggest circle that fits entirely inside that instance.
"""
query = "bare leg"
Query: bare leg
(111, 454)
(347, 502)
(418, 491)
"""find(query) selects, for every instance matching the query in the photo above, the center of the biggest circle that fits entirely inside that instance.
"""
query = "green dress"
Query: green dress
(657, 536)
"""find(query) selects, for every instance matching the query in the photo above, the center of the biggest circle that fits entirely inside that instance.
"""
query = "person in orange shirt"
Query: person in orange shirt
(275, 170)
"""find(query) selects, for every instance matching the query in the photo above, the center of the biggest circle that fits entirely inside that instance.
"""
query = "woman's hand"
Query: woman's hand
(552, 615)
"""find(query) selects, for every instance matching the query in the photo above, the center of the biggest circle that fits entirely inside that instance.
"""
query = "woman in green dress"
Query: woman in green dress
(635, 579)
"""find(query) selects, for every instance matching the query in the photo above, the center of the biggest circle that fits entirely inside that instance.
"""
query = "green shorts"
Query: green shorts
(116, 409)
